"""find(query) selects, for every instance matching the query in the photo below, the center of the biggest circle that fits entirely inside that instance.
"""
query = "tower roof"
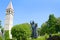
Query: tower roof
(10, 6)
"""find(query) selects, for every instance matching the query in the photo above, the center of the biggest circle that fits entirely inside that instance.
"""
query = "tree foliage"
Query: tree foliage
(51, 26)
(1, 38)
(0, 24)
(57, 26)
(43, 29)
(6, 35)
(21, 31)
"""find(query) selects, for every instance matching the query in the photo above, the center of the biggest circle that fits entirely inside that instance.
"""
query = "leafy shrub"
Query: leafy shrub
(6, 35)
(0, 38)
(21, 31)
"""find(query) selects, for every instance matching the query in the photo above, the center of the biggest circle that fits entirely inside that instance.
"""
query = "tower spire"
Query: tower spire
(10, 6)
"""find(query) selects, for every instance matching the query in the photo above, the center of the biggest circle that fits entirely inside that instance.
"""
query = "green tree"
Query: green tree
(57, 26)
(6, 35)
(0, 24)
(38, 30)
(49, 26)
(52, 20)
(1, 38)
(2, 30)
(43, 29)
(1, 27)
(21, 31)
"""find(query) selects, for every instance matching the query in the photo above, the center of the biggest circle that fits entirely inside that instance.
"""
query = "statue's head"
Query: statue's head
(31, 22)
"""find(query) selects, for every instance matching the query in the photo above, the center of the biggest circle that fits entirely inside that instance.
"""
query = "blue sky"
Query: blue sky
(27, 10)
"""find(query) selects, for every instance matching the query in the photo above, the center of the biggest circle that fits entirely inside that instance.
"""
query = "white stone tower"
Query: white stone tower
(9, 18)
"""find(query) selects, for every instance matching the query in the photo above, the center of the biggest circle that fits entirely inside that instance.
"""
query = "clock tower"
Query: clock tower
(9, 18)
